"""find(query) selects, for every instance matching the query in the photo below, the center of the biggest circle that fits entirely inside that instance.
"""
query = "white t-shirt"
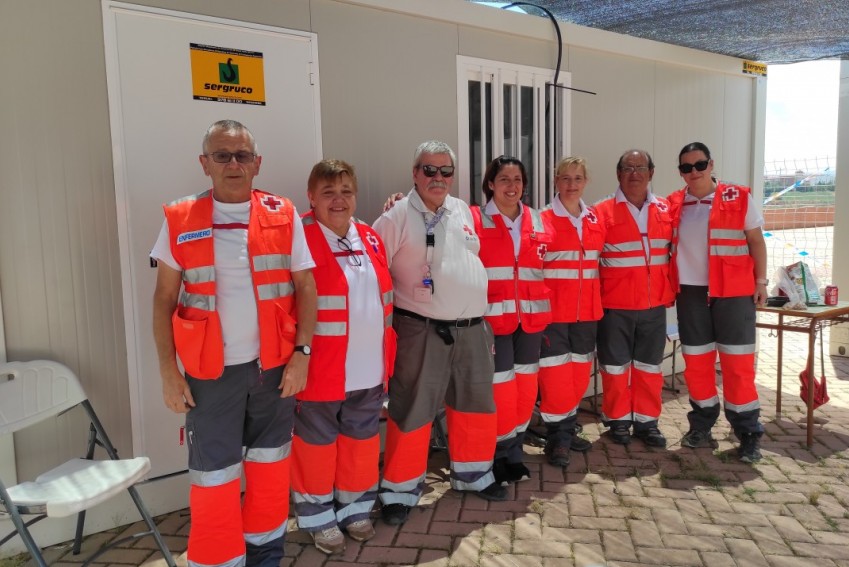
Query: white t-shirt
(578, 222)
(364, 358)
(514, 226)
(692, 259)
(458, 274)
(234, 296)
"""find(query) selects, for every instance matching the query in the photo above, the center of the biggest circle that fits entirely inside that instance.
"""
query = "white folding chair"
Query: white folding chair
(31, 392)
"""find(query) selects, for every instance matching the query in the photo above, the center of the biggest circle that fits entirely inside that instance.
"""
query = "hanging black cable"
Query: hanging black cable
(555, 84)
(553, 97)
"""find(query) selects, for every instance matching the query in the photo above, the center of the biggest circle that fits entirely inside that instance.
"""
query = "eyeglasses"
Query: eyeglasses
(700, 165)
(628, 169)
(225, 157)
(351, 255)
(430, 170)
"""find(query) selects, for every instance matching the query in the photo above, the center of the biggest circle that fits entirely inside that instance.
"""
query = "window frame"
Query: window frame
(498, 74)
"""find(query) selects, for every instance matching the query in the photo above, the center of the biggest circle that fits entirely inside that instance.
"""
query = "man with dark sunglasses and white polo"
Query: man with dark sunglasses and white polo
(445, 348)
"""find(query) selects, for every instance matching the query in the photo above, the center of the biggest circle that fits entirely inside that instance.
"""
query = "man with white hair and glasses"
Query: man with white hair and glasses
(235, 300)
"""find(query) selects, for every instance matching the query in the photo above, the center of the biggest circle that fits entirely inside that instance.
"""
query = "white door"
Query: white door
(157, 65)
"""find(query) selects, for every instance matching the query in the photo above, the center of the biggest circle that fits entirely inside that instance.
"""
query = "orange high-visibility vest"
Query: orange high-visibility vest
(516, 292)
(326, 377)
(731, 268)
(571, 268)
(197, 326)
(630, 280)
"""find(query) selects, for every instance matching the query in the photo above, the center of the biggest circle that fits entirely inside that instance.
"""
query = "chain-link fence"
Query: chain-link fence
(799, 214)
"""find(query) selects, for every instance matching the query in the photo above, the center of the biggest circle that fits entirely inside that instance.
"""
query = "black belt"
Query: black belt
(459, 323)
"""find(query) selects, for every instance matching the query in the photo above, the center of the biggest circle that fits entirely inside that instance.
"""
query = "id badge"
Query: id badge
(422, 294)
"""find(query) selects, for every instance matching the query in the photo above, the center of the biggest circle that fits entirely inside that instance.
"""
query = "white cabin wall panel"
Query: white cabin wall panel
(59, 268)
(292, 14)
(734, 163)
(388, 84)
(619, 117)
(689, 104)
(495, 46)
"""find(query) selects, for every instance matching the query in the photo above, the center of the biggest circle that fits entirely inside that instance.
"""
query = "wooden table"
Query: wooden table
(809, 321)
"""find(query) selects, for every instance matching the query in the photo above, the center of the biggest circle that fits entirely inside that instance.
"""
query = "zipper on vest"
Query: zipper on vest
(580, 279)
(516, 289)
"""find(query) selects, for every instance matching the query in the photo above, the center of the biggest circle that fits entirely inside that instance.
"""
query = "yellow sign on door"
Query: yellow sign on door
(754, 68)
(227, 75)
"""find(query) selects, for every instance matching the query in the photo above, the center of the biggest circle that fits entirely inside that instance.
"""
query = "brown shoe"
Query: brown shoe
(360, 530)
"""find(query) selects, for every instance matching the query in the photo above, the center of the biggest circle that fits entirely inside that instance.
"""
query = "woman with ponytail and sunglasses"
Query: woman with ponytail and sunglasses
(513, 238)
(719, 271)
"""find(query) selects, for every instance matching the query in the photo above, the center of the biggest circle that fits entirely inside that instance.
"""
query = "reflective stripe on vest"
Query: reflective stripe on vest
(275, 290)
(568, 274)
(325, 329)
(200, 275)
(332, 302)
(272, 262)
(499, 274)
(197, 301)
(727, 233)
(718, 250)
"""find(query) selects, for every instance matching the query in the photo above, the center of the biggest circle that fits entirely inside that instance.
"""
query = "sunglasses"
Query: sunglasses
(700, 165)
(445, 170)
(227, 157)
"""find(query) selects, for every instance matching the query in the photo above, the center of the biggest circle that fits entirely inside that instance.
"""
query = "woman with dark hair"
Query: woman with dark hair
(514, 238)
(719, 271)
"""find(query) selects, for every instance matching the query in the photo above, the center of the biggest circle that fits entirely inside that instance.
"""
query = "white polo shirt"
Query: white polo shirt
(234, 295)
(559, 210)
(458, 274)
(692, 258)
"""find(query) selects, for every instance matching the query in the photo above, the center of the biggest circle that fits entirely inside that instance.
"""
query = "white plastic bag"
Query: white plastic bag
(799, 284)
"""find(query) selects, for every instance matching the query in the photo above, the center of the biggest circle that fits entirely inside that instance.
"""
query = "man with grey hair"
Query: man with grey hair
(235, 300)
(635, 291)
(444, 345)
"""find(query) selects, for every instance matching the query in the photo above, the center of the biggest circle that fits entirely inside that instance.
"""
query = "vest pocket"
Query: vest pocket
(737, 276)
(538, 314)
(287, 327)
(199, 345)
(390, 348)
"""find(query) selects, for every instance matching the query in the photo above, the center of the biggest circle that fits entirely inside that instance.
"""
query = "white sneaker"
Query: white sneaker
(360, 530)
(329, 540)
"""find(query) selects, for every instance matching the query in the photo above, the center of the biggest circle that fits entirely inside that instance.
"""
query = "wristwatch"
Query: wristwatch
(763, 281)
(303, 349)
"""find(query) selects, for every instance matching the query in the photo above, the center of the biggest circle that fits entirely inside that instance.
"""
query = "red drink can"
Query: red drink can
(831, 295)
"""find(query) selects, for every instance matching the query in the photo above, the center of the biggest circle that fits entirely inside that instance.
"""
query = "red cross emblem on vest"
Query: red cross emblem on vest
(591, 217)
(661, 206)
(730, 194)
(541, 250)
(272, 203)
(374, 242)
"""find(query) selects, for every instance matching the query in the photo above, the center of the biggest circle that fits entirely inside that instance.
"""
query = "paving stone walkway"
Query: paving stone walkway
(621, 506)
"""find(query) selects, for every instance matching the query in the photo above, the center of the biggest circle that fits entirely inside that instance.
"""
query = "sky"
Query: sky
(801, 110)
